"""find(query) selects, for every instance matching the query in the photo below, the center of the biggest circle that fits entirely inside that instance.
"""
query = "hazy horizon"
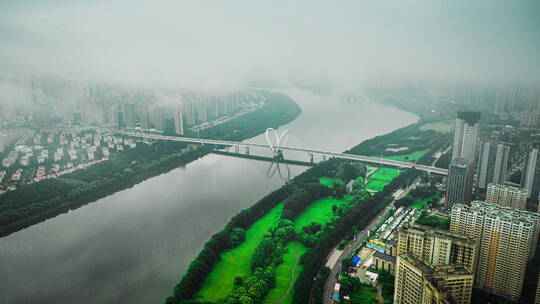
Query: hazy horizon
(215, 45)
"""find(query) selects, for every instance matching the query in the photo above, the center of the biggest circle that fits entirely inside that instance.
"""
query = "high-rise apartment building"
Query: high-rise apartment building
(507, 196)
(465, 135)
(418, 282)
(537, 295)
(506, 239)
(492, 164)
(4, 141)
(528, 119)
(178, 120)
(460, 182)
(437, 247)
(530, 178)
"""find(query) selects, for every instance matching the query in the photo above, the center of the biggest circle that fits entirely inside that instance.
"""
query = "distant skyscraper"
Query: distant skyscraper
(507, 196)
(129, 115)
(492, 164)
(4, 141)
(460, 182)
(418, 282)
(528, 119)
(506, 239)
(178, 120)
(465, 135)
(530, 178)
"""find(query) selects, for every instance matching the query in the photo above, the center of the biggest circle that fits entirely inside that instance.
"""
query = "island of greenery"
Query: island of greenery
(37, 202)
(272, 251)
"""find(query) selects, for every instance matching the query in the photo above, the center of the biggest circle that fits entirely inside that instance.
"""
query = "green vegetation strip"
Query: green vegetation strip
(237, 261)
(414, 156)
(320, 212)
(285, 276)
(329, 181)
(385, 174)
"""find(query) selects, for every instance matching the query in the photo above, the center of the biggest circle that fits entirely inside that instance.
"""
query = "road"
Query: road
(362, 158)
(351, 247)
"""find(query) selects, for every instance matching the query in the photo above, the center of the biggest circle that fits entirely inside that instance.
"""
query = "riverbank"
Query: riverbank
(37, 202)
(204, 284)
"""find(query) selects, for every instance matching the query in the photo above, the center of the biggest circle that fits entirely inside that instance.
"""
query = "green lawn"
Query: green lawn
(414, 156)
(434, 221)
(320, 211)
(381, 178)
(236, 262)
(283, 274)
(376, 185)
(385, 174)
(424, 201)
(367, 294)
(329, 181)
(441, 127)
(417, 206)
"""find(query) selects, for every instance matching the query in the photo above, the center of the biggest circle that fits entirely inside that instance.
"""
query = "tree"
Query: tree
(346, 171)
(339, 190)
(238, 281)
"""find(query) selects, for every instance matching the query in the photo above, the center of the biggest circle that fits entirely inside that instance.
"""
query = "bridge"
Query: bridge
(277, 149)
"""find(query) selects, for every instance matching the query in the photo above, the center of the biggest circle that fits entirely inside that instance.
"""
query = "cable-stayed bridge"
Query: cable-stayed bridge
(277, 149)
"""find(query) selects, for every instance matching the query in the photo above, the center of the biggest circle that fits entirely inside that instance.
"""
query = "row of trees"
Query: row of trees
(278, 110)
(303, 196)
(410, 136)
(39, 201)
(201, 266)
(36, 202)
(387, 286)
(358, 292)
(356, 217)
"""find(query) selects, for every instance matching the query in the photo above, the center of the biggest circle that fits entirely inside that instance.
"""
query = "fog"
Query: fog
(220, 44)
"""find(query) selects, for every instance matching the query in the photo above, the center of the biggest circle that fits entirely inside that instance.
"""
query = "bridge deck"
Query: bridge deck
(362, 158)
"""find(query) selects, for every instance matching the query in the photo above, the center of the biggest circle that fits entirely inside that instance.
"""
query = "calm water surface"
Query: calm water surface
(133, 246)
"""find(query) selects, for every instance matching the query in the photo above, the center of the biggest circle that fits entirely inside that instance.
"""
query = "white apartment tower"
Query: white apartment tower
(507, 196)
(492, 164)
(465, 135)
(530, 178)
(178, 119)
(506, 240)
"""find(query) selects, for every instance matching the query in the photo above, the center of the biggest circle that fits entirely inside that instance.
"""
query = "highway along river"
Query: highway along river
(133, 246)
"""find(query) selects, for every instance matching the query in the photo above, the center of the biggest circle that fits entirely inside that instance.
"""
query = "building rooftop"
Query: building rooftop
(506, 213)
(437, 232)
(390, 242)
(386, 257)
(435, 272)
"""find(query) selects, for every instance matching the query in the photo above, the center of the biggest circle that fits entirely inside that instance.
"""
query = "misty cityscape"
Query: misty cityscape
(250, 152)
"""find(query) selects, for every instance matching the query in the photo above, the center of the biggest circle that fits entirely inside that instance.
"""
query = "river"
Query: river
(133, 246)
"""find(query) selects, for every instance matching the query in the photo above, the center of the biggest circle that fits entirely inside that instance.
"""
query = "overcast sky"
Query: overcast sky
(222, 43)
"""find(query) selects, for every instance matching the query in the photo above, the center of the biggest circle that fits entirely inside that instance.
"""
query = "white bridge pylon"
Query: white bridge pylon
(281, 140)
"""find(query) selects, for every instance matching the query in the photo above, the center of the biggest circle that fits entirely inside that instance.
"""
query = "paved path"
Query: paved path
(291, 284)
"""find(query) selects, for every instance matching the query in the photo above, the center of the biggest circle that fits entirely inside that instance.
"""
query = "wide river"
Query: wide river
(133, 246)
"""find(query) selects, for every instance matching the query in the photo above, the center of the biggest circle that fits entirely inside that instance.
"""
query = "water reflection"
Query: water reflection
(276, 166)
(133, 246)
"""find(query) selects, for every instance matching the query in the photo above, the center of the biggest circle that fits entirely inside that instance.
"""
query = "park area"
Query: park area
(236, 262)
(414, 156)
(381, 178)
